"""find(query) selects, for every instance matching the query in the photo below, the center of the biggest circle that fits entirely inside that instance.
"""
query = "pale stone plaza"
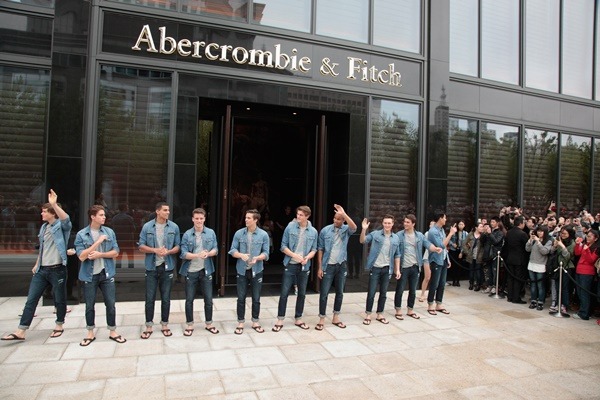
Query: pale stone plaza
(484, 349)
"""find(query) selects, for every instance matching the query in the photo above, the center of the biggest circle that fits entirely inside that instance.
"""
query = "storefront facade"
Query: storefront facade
(231, 105)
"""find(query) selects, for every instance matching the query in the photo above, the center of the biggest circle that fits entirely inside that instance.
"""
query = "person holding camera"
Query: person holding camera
(565, 246)
(539, 245)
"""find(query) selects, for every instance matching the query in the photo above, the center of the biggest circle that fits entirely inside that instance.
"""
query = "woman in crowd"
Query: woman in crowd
(565, 246)
(588, 254)
(456, 242)
(473, 250)
(539, 245)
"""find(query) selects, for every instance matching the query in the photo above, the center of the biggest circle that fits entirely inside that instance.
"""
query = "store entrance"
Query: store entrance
(262, 157)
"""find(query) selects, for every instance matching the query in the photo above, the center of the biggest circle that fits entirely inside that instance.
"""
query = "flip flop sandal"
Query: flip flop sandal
(413, 315)
(188, 332)
(443, 311)
(166, 332)
(119, 339)
(399, 316)
(302, 326)
(258, 329)
(146, 334)
(12, 336)
(212, 330)
(431, 312)
(238, 331)
(367, 321)
(277, 328)
(87, 341)
(319, 327)
(55, 331)
(339, 324)
(383, 320)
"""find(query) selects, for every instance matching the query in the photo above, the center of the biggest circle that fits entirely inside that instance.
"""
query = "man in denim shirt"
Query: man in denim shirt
(198, 247)
(97, 248)
(438, 263)
(50, 268)
(384, 258)
(412, 245)
(299, 244)
(159, 239)
(331, 261)
(250, 246)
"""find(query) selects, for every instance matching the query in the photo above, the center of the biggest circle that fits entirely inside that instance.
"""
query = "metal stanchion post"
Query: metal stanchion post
(497, 295)
(560, 314)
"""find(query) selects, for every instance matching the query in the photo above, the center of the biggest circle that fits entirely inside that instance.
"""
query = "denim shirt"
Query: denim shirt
(421, 242)
(61, 229)
(290, 239)
(84, 240)
(325, 242)
(148, 238)
(260, 245)
(377, 237)
(436, 236)
(188, 242)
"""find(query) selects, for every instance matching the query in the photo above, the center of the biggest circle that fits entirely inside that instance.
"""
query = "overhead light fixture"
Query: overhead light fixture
(247, 108)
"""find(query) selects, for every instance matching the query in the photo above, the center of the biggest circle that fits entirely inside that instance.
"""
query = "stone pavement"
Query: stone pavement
(485, 349)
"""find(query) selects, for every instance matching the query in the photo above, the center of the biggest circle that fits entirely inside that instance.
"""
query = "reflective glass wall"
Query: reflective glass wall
(539, 170)
(132, 144)
(394, 158)
(23, 103)
(575, 158)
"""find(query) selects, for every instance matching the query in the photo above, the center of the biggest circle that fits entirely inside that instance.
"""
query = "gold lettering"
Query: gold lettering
(145, 37)
(164, 39)
(184, 43)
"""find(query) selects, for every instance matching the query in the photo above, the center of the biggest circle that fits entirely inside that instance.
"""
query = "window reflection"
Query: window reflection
(23, 102)
(344, 19)
(464, 28)
(500, 40)
(499, 167)
(539, 171)
(163, 4)
(231, 9)
(394, 158)
(575, 152)
(132, 143)
(277, 13)
(462, 170)
(595, 206)
(24, 34)
(542, 20)
(397, 24)
(577, 46)
(39, 3)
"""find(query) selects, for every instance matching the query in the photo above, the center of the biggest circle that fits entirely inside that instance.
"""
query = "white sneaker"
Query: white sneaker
(493, 290)
(488, 290)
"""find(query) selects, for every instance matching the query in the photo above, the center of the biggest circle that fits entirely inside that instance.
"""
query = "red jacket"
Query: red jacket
(585, 266)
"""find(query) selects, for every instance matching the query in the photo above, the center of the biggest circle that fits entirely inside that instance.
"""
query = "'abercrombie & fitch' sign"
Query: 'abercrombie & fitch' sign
(355, 68)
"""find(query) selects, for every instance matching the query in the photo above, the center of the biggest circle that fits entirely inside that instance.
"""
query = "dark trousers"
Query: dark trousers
(515, 281)
(55, 277)
(162, 280)
(293, 275)
(381, 277)
(242, 289)
(107, 287)
(192, 280)
(333, 273)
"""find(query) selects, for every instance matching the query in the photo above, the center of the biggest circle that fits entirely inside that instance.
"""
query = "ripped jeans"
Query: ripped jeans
(162, 279)
(107, 287)
(242, 289)
(56, 277)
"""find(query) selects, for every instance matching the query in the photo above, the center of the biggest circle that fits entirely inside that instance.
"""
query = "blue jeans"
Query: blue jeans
(437, 283)
(191, 283)
(107, 287)
(55, 277)
(163, 280)
(242, 288)
(334, 273)
(538, 287)
(381, 277)
(293, 274)
(491, 267)
(585, 281)
(410, 275)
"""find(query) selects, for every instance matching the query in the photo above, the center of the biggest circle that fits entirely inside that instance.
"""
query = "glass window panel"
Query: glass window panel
(539, 171)
(462, 170)
(597, 54)
(230, 9)
(344, 19)
(39, 3)
(542, 26)
(500, 40)
(23, 105)
(132, 144)
(397, 24)
(595, 206)
(577, 47)
(499, 168)
(575, 152)
(394, 158)
(25, 34)
(464, 28)
(162, 4)
(277, 13)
